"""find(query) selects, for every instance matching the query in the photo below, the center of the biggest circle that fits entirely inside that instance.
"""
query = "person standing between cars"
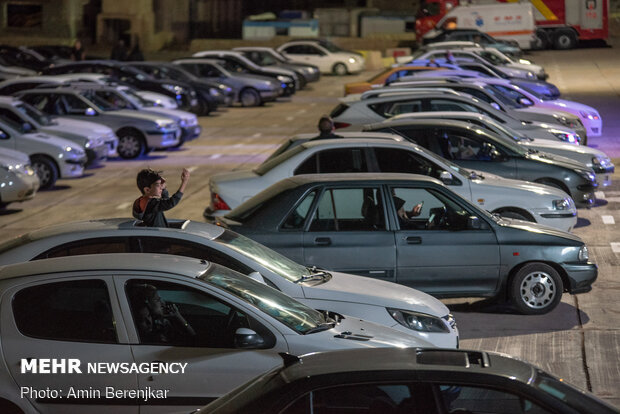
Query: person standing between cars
(119, 52)
(326, 128)
(155, 199)
(77, 51)
(136, 54)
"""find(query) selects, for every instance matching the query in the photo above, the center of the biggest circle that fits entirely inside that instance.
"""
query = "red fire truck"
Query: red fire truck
(559, 23)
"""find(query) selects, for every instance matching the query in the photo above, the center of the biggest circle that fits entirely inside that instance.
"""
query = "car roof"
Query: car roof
(108, 262)
(9, 100)
(395, 359)
(199, 60)
(299, 180)
(348, 142)
(440, 114)
(347, 134)
(422, 122)
(52, 89)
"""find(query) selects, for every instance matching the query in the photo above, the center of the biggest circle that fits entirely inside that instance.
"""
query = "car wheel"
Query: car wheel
(130, 144)
(249, 97)
(514, 214)
(536, 289)
(541, 40)
(339, 69)
(565, 39)
(46, 170)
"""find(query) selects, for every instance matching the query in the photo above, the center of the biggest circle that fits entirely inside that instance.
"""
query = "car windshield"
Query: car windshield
(103, 101)
(493, 58)
(278, 56)
(136, 99)
(268, 258)
(331, 47)
(505, 95)
(262, 58)
(297, 316)
(34, 113)
(537, 93)
(137, 73)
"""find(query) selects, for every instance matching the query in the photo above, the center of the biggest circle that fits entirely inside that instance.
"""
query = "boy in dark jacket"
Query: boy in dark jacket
(155, 199)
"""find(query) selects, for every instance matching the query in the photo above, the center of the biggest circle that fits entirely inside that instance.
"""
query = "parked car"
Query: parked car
(476, 36)
(51, 157)
(376, 152)
(429, 381)
(209, 89)
(407, 310)
(377, 105)
(97, 140)
(183, 93)
(219, 328)
(593, 158)
(351, 223)
(387, 76)
(481, 150)
(250, 90)
(138, 132)
(326, 56)
(236, 62)
(18, 181)
(266, 56)
(23, 57)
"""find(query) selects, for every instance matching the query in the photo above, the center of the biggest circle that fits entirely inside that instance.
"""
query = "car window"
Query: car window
(437, 212)
(179, 247)
(390, 109)
(295, 50)
(465, 147)
(339, 160)
(311, 50)
(475, 92)
(11, 118)
(74, 105)
(167, 313)
(512, 95)
(477, 399)
(97, 245)
(404, 161)
(443, 105)
(233, 66)
(40, 102)
(349, 209)
(77, 310)
(297, 218)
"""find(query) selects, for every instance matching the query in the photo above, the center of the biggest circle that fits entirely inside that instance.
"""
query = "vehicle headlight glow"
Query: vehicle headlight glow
(173, 88)
(164, 123)
(74, 150)
(418, 321)
(214, 92)
(531, 75)
(583, 253)
(603, 162)
(352, 60)
(525, 62)
(563, 204)
(283, 78)
(593, 116)
(588, 175)
(567, 137)
(25, 169)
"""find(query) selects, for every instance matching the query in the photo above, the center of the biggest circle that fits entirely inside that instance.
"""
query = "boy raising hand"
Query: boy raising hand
(155, 199)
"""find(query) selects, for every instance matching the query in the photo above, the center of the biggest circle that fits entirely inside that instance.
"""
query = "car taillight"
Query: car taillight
(341, 125)
(218, 203)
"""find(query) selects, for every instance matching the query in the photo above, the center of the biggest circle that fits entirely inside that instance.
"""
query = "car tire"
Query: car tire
(536, 289)
(564, 39)
(339, 69)
(541, 40)
(516, 214)
(46, 170)
(130, 144)
(249, 97)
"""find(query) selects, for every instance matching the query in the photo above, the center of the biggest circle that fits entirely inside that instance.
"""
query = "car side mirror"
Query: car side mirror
(90, 112)
(496, 106)
(473, 222)
(246, 338)
(257, 276)
(26, 127)
(445, 177)
(525, 102)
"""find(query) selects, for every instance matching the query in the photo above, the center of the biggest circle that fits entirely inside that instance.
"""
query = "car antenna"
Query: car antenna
(289, 359)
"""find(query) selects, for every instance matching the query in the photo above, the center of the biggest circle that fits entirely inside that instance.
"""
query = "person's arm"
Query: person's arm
(164, 203)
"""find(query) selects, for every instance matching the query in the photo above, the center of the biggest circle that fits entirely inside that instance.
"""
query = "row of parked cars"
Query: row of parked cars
(67, 116)
(279, 276)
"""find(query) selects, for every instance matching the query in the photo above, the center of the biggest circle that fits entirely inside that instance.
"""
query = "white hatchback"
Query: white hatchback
(379, 152)
(18, 181)
(182, 331)
(328, 57)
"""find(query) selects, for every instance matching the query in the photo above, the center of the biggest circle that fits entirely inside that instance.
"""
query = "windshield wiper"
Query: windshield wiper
(325, 326)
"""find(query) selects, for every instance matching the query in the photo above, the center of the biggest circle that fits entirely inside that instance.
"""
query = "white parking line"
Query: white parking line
(123, 206)
(301, 111)
(313, 104)
(257, 135)
(615, 247)
(290, 118)
(600, 195)
(613, 199)
(215, 156)
(608, 219)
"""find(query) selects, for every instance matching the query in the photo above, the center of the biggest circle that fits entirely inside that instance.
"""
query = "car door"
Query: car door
(439, 251)
(475, 152)
(6, 141)
(348, 232)
(75, 317)
(214, 365)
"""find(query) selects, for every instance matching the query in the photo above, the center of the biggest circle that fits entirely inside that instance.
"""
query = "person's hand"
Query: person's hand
(416, 210)
(185, 175)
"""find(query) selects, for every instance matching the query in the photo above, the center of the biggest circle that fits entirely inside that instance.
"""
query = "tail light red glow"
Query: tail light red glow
(218, 203)
(341, 125)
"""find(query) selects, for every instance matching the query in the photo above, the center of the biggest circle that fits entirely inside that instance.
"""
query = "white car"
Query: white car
(408, 310)
(328, 57)
(180, 328)
(591, 157)
(378, 152)
(18, 181)
(52, 157)
(589, 117)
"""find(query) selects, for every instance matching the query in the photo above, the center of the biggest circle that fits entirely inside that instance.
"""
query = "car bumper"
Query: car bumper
(584, 194)
(163, 139)
(95, 155)
(72, 168)
(112, 145)
(563, 220)
(580, 276)
(191, 132)
(269, 94)
(594, 127)
(20, 188)
(603, 176)
(355, 67)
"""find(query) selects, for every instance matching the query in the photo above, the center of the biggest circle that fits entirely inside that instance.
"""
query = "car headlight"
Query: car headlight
(525, 62)
(583, 254)
(25, 169)
(352, 60)
(74, 151)
(182, 123)
(601, 162)
(593, 116)
(567, 137)
(164, 123)
(531, 75)
(173, 88)
(283, 78)
(563, 204)
(418, 321)
(588, 175)
(214, 92)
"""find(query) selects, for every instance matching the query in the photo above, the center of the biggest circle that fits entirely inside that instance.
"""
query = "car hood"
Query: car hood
(248, 77)
(563, 105)
(343, 287)
(49, 139)
(353, 332)
(144, 116)
(525, 67)
(176, 114)
(79, 127)
(557, 160)
(528, 189)
(537, 228)
(546, 144)
(10, 156)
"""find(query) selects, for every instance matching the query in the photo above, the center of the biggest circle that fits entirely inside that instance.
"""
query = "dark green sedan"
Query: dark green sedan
(373, 225)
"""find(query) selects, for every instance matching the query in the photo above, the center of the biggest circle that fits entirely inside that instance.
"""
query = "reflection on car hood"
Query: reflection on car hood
(557, 160)
(145, 116)
(79, 127)
(491, 181)
(10, 156)
(344, 287)
(537, 228)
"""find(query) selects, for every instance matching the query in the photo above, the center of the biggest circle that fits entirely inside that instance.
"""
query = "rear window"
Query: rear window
(272, 162)
(338, 110)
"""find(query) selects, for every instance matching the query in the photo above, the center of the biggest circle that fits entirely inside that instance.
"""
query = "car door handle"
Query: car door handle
(413, 240)
(322, 241)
